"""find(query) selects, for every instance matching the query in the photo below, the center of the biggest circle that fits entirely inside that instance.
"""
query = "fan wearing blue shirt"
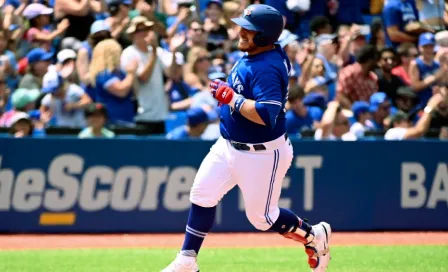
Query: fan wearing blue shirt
(113, 86)
(401, 22)
(299, 116)
(197, 121)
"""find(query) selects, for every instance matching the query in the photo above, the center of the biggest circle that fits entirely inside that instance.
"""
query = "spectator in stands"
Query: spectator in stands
(351, 42)
(401, 22)
(320, 25)
(113, 86)
(217, 36)
(380, 106)
(289, 43)
(326, 46)
(362, 116)
(388, 82)
(11, 12)
(377, 36)
(22, 100)
(432, 12)
(66, 62)
(441, 43)
(4, 94)
(406, 52)
(406, 99)
(64, 101)
(178, 91)
(198, 120)
(357, 82)
(196, 37)
(38, 62)
(153, 63)
(177, 24)
(39, 35)
(99, 31)
(335, 124)
(440, 114)
(150, 10)
(96, 116)
(299, 116)
(119, 20)
(8, 62)
(81, 15)
(196, 68)
(313, 78)
(425, 72)
(402, 128)
(22, 126)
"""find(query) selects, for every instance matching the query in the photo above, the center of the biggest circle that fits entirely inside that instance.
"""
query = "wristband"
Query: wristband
(237, 102)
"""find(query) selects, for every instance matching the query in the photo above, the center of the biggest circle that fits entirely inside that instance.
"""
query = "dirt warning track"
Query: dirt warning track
(227, 240)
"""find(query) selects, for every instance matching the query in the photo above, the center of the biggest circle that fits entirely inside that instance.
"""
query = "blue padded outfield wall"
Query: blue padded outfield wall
(142, 185)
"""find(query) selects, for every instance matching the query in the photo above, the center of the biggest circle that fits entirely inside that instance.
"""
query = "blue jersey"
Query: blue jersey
(119, 109)
(425, 71)
(398, 13)
(264, 78)
(295, 123)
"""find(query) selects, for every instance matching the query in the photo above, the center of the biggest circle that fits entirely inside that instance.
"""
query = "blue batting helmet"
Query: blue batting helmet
(264, 19)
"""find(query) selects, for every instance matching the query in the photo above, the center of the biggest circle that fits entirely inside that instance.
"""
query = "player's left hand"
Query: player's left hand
(222, 91)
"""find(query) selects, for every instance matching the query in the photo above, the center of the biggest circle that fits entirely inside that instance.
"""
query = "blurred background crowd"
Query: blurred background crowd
(103, 68)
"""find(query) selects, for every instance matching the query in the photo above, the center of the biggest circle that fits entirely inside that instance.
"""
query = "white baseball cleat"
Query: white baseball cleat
(318, 251)
(182, 264)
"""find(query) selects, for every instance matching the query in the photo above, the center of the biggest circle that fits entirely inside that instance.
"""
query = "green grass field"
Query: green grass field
(344, 259)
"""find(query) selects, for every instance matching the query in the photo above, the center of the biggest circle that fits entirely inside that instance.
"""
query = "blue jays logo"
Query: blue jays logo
(247, 12)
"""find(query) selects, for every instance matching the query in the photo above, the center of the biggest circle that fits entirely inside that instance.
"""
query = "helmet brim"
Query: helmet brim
(244, 23)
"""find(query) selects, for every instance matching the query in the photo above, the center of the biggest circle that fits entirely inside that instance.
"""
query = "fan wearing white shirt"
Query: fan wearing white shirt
(63, 101)
(402, 127)
(153, 62)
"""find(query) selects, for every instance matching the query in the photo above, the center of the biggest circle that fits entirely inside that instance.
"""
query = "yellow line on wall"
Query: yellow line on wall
(53, 219)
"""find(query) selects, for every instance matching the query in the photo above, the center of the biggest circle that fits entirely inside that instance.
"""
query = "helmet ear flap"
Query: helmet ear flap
(261, 40)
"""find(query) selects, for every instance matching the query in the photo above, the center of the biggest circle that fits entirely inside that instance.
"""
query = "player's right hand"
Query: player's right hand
(222, 91)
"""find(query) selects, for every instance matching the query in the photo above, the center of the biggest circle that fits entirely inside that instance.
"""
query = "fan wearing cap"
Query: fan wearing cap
(39, 17)
(198, 120)
(425, 72)
(380, 106)
(99, 31)
(153, 63)
(335, 124)
(23, 100)
(362, 116)
(299, 116)
(402, 128)
(406, 99)
(21, 125)
(64, 101)
(38, 62)
(96, 116)
(66, 65)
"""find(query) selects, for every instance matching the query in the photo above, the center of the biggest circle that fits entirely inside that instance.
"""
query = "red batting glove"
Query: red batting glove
(222, 91)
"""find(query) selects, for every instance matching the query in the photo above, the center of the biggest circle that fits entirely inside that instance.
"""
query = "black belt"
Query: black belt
(245, 147)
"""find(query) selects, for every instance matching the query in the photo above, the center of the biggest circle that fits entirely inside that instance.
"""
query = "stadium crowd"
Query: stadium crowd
(366, 67)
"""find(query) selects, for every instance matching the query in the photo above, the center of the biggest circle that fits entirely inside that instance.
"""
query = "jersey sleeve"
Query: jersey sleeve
(267, 90)
(108, 79)
(391, 16)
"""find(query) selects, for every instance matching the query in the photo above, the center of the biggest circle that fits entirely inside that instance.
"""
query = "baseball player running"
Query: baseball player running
(254, 151)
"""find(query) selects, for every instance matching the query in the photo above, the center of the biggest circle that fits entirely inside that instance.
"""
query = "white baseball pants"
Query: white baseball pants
(259, 175)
